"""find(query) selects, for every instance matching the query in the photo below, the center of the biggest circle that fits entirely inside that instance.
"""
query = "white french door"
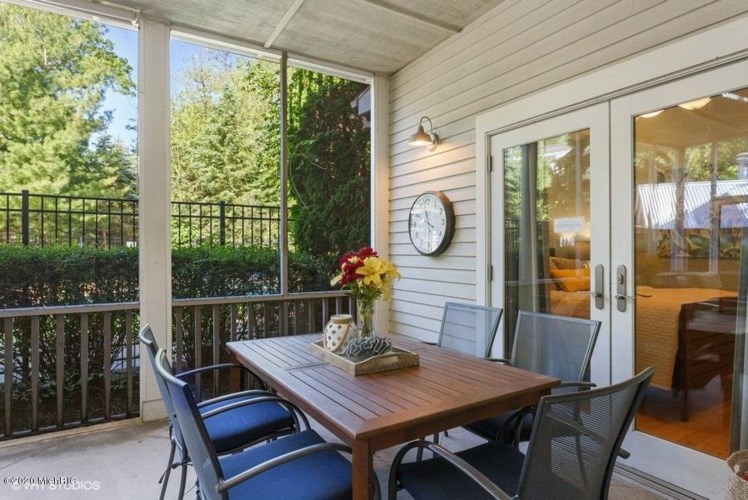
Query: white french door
(632, 212)
(679, 167)
(549, 241)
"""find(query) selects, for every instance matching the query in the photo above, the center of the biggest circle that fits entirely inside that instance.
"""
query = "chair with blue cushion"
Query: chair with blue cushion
(232, 422)
(557, 346)
(297, 466)
(573, 448)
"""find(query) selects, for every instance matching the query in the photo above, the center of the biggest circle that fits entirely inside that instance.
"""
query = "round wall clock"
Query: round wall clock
(431, 223)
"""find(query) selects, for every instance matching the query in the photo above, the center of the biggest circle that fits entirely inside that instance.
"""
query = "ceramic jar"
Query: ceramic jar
(339, 331)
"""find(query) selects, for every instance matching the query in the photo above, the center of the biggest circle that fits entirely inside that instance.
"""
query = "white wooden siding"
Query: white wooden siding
(518, 48)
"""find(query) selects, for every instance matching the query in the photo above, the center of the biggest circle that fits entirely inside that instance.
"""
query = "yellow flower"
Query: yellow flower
(372, 271)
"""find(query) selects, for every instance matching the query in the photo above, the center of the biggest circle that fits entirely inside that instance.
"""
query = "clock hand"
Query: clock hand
(427, 219)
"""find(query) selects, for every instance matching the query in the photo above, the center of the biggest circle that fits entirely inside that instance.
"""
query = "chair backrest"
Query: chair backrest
(576, 438)
(149, 341)
(557, 346)
(469, 328)
(202, 455)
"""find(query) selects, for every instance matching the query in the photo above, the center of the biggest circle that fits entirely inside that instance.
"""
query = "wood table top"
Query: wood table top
(448, 389)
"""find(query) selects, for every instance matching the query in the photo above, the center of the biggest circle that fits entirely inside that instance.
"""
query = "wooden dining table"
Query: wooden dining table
(380, 410)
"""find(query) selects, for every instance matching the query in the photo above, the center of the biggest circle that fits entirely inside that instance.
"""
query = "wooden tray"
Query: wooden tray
(395, 358)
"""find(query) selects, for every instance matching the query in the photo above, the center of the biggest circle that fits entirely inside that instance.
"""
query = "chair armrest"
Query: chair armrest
(202, 369)
(275, 462)
(292, 408)
(221, 366)
(514, 422)
(471, 472)
(500, 360)
(586, 385)
(232, 395)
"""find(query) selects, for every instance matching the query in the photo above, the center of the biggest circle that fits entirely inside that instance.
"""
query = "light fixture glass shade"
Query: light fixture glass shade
(652, 114)
(420, 138)
(695, 104)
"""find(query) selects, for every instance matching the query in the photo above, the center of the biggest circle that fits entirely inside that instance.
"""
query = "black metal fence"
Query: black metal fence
(196, 224)
(43, 220)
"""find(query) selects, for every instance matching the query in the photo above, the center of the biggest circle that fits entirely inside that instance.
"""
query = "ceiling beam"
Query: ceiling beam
(283, 22)
(414, 15)
(116, 14)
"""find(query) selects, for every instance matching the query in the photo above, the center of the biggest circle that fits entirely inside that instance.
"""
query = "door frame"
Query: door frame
(594, 118)
(692, 468)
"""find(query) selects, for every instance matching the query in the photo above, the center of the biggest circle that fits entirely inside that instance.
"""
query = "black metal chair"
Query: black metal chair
(572, 451)
(469, 328)
(297, 466)
(232, 422)
(557, 346)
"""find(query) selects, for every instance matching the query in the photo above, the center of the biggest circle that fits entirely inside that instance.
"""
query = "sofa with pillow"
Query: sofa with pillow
(569, 287)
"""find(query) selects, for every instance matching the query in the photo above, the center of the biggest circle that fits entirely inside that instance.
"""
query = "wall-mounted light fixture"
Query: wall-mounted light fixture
(421, 138)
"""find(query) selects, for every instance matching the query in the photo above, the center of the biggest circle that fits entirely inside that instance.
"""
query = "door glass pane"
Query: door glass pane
(547, 227)
(691, 181)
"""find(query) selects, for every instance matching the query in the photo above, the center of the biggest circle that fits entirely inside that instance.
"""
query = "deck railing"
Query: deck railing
(70, 366)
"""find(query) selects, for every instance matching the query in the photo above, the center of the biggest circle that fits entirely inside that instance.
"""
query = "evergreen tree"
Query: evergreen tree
(226, 146)
(328, 165)
(54, 73)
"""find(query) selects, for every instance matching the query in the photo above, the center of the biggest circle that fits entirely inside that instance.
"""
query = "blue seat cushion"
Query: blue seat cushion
(435, 478)
(324, 475)
(245, 425)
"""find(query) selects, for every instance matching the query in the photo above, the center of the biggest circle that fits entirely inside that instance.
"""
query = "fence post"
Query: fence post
(25, 217)
(222, 222)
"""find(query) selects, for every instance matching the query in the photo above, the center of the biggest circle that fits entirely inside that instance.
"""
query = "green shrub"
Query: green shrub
(34, 277)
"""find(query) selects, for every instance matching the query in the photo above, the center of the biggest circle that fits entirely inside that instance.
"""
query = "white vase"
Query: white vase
(339, 331)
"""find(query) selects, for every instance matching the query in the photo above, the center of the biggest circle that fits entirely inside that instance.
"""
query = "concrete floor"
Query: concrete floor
(125, 460)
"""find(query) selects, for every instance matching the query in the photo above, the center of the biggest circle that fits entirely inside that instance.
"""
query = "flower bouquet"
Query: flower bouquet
(368, 278)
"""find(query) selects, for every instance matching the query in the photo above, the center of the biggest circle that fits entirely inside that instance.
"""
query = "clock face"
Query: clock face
(431, 223)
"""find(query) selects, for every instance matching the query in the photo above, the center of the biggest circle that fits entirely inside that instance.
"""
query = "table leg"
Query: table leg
(363, 462)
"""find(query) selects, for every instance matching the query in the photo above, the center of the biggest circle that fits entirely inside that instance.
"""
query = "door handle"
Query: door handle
(599, 290)
(642, 295)
(620, 295)
(621, 288)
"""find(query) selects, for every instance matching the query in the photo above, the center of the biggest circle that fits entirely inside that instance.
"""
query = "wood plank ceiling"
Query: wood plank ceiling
(379, 36)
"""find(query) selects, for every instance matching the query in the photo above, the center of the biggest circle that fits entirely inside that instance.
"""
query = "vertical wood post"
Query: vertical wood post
(380, 182)
(154, 209)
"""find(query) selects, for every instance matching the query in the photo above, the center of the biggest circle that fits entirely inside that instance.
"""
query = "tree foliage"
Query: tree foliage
(222, 146)
(328, 164)
(54, 73)
(226, 146)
